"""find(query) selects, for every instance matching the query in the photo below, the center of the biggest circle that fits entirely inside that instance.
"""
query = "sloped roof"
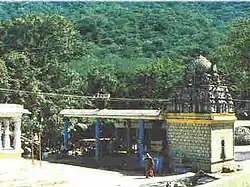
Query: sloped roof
(118, 114)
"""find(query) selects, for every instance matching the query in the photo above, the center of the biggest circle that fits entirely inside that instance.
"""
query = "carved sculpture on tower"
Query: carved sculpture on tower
(203, 91)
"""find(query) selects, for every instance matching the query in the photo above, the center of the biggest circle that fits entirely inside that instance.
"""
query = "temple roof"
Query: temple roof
(118, 114)
(202, 63)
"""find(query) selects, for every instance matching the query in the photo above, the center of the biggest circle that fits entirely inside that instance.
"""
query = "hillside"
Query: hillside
(148, 30)
(58, 55)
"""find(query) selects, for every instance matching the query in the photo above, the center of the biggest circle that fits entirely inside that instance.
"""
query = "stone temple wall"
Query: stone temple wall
(189, 144)
(200, 141)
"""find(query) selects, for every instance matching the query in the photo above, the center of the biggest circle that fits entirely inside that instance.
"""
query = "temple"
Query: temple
(197, 125)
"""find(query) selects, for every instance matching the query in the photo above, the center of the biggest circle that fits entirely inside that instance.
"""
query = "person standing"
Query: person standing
(149, 166)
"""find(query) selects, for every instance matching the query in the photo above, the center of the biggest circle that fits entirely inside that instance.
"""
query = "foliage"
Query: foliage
(127, 49)
(36, 50)
(4, 74)
(101, 79)
(4, 80)
(131, 31)
(233, 56)
(156, 79)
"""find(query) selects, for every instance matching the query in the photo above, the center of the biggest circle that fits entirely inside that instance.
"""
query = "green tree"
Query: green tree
(36, 50)
(158, 78)
(4, 81)
(49, 42)
(101, 78)
(233, 57)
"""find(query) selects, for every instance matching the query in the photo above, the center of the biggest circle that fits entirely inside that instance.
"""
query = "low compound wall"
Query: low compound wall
(242, 153)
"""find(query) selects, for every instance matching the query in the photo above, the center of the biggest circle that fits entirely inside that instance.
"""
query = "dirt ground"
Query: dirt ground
(22, 173)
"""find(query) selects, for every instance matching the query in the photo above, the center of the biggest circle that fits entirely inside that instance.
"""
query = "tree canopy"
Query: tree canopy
(50, 51)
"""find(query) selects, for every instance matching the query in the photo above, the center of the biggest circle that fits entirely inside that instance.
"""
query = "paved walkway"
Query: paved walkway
(23, 173)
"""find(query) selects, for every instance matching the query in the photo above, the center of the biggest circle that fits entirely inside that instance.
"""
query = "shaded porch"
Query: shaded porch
(137, 123)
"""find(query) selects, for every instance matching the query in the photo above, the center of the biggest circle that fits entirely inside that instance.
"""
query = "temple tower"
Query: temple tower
(200, 122)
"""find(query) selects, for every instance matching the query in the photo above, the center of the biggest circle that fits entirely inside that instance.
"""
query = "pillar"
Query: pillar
(97, 139)
(6, 134)
(65, 133)
(128, 136)
(140, 141)
(116, 136)
(137, 145)
(17, 134)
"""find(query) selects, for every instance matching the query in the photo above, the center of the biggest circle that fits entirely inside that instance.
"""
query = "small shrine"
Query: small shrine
(10, 130)
(200, 121)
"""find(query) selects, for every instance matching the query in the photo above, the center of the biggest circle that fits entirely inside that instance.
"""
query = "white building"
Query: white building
(11, 116)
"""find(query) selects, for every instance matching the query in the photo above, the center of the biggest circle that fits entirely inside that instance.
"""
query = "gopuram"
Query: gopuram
(200, 121)
(10, 130)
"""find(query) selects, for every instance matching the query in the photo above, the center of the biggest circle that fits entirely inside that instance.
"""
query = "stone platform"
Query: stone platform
(10, 154)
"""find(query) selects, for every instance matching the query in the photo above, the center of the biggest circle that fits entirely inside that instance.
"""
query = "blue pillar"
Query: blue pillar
(97, 139)
(140, 142)
(65, 133)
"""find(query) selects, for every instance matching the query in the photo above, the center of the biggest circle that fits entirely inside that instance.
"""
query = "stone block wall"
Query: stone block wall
(200, 140)
(189, 144)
